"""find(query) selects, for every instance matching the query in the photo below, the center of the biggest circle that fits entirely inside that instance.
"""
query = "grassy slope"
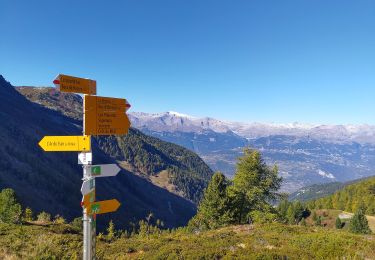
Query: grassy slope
(329, 218)
(247, 242)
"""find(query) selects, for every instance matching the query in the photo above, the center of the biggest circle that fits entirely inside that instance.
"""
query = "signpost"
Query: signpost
(104, 170)
(65, 143)
(88, 186)
(85, 158)
(101, 207)
(102, 116)
(75, 85)
(88, 198)
(106, 116)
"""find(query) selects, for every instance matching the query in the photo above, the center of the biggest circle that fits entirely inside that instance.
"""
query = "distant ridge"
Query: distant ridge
(306, 154)
(173, 121)
(317, 191)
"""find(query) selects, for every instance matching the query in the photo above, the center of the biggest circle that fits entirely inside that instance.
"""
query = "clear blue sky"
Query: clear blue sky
(280, 61)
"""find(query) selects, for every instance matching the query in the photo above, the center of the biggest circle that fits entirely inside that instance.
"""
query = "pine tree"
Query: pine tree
(10, 209)
(254, 186)
(291, 215)
(28, 214)
(299, 211)
(338, 223)
(111, 231)
(282, 208)
(359, 224)
(213, 211)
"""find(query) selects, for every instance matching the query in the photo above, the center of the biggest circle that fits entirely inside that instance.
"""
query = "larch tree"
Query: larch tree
(10, 209)
(358, 223)
(213, 210)
(254, 186)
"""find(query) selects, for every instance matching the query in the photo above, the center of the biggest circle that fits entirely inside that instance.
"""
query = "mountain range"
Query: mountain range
(306, 154)
(156, 176)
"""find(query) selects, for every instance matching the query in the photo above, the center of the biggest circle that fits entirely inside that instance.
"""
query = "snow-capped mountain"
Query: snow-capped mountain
(173, 121)
(306, 154)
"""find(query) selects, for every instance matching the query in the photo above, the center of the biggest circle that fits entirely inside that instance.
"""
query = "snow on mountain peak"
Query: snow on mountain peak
(326, 174)
(174, 121)
(173, 113)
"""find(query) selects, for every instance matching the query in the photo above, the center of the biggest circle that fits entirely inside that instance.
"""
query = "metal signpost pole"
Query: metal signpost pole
(87, 220)
(86, 230)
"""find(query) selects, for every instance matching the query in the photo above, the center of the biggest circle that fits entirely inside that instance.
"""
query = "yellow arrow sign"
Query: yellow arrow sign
(101, 207)
(105, 116)
(88, 199)
(75, 85)
(66, 143)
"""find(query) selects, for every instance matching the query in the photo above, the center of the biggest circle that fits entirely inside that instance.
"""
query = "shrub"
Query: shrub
(338, 223)
(318, 221)
(77, 223)
(59, 220)
(44, 217)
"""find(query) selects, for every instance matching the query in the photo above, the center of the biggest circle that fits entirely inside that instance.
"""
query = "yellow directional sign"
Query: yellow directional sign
(75, 85)
(105, 116)
(101, 207)
(88, 199)
(101, 104)
(65, 143)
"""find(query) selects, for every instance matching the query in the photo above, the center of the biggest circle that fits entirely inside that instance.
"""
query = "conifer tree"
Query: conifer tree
(291, 215)
(254, 186)
(111, 231)
(28, 214)
(299, 211)
(359, 224)
(213, 211)
(282, 208)
(10, 209)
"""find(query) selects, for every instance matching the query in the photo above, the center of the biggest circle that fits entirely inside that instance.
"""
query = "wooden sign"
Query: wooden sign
(101, 207)
(72, 84)
(101, 104)
(65, 143)
(105, 116)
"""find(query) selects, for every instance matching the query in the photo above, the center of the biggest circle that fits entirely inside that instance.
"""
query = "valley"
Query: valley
(305, 154)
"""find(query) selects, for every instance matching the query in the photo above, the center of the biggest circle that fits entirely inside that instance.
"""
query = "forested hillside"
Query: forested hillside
(350, 198)
(51, 181)
(317, 191)
(139, 153)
